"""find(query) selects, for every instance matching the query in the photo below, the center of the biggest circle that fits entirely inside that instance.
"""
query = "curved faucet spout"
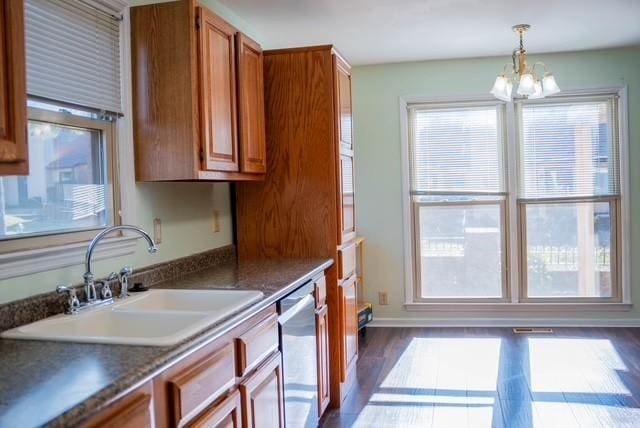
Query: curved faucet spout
(152, 245)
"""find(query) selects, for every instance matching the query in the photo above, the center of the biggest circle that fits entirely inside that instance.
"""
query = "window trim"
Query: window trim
(622, 223)
(68, 237)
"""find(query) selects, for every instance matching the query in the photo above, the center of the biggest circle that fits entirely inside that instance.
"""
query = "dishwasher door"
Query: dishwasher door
(298, 343)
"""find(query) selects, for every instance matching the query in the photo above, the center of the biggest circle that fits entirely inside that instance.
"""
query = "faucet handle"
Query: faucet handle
(72, 300)
(124, 281)
(105, 292)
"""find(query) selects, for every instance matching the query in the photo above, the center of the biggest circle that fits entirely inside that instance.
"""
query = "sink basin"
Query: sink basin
(109, 326)
(154, 318)
(221, 302)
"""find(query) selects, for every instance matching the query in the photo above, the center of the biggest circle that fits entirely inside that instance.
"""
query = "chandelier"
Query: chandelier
(529, 84)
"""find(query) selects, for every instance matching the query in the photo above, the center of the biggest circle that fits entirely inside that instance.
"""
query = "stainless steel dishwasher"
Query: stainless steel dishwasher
(298, 343)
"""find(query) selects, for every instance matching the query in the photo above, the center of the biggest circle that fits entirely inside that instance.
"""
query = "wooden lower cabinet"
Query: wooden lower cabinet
(134, 410)
(262, 396)
(322, 342)
(349, 325)
(225, 414)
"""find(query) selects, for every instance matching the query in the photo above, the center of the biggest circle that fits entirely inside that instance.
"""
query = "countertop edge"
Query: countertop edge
(138, 377)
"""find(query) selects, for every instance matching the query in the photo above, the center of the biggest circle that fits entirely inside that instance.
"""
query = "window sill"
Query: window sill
(518, 307)
(50, 258)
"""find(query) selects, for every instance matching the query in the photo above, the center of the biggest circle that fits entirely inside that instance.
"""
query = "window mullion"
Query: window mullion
(512, 248)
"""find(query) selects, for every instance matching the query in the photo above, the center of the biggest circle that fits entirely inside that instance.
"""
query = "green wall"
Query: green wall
(376, 93)
(186, 211)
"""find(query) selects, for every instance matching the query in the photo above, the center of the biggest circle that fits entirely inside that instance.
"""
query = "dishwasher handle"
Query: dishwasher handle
(295, 309)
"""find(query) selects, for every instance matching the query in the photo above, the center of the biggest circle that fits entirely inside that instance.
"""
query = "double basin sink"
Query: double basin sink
(153, 318)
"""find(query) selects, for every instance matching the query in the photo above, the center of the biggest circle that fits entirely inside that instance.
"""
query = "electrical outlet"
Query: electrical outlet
(216, 221)
(383, 298)
(157, 230)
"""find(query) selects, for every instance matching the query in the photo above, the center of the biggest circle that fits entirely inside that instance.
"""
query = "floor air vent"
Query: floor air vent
(532, 330)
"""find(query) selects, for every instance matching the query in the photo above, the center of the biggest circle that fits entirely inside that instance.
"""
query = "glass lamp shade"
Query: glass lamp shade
(549, 85)
(502, 88)
(537, 93)
(527, 85)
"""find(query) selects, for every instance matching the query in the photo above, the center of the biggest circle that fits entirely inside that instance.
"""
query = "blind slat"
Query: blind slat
(456, 150)
(569, 149)
(73, 52)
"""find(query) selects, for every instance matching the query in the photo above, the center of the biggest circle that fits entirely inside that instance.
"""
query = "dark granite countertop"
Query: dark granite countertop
(59, 384)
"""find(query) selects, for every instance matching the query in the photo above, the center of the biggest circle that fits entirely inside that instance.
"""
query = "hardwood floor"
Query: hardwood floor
(491, 377)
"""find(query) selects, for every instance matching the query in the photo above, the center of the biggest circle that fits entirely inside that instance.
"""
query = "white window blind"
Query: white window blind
(456, 150)
(73, 52)
(569, 149)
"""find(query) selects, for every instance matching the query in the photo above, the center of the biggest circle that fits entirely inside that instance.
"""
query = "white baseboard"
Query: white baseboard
(503, 322)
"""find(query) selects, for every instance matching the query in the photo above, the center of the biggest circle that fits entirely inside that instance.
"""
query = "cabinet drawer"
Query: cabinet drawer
(225, 414)
(200, 384)
(347, 261)
(256, 344)
(132, 411)
(320, 291)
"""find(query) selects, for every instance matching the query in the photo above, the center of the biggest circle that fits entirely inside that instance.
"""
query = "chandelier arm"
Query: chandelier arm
(539, 63)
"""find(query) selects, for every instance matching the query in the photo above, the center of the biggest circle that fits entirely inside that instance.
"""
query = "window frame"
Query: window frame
(501, 200)
(515, 299)
(107, 131)
(615, 201)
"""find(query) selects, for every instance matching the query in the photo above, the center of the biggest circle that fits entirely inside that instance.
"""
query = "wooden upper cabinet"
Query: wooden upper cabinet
(217, 59)
(343, 101)
(346, 201)
(13, 95)
(197, 95)
(253, 156)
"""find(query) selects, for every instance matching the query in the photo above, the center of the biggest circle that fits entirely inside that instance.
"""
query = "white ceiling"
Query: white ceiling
(378, 31)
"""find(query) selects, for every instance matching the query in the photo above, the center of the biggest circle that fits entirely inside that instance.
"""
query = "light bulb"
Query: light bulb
(549, 85)
(502, 89)
(527, 84)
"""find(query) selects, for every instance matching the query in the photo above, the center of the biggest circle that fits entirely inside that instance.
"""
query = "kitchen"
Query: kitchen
(179, 238)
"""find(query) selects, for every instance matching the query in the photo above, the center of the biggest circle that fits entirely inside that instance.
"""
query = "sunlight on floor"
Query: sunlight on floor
(481, 382)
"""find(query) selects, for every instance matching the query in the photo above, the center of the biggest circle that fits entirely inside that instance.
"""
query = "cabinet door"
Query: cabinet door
(322, 339)
(262, 396)
(346, 215)
(349, 325)
(226, 414)
(253, 149)
(343, 101)
(217, 72)
(13, 95)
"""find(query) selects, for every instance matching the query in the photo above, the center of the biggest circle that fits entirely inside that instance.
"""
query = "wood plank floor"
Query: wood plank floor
(491, 377)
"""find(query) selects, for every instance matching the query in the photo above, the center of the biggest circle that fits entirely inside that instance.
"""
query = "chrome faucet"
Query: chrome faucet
(89, 282)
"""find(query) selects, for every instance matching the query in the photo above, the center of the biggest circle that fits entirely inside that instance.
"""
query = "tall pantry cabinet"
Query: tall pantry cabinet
(305, 205)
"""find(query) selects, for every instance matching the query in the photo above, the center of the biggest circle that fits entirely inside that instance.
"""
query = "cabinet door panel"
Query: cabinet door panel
(13, 95)
(349, 324)
(343, 91)
(217, 93)
(347, 201)
(262, 396)
(226, 414)
(252, 139)
(322, 338)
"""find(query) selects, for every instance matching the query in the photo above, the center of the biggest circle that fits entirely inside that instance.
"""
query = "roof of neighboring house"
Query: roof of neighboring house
(69, 160)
